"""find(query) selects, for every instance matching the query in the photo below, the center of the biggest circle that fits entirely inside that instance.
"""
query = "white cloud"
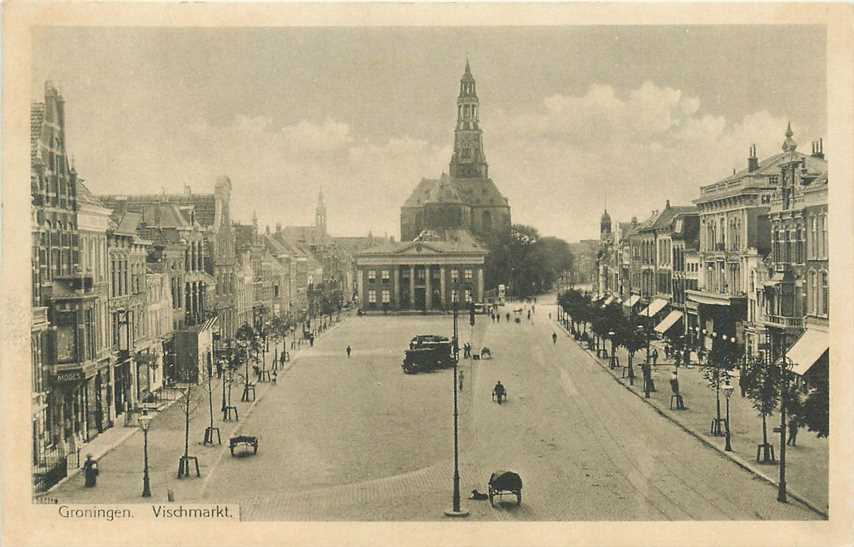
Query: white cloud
(639, 148)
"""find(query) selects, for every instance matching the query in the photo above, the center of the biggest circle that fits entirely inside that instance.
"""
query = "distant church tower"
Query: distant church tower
(320, 215)
(605, 226)
(468, 160)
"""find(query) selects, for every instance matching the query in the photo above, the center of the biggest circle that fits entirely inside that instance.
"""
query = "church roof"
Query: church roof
(443, 191)
(420, 194)
(447, 189)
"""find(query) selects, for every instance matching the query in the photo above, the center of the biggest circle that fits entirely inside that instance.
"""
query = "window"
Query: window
(811, 293)
(385, 276)
(454, 297)
(455, 275)
(468, 275)
(825, 304)
(372, 275)
(372, 296)
(467, 295)
(824, 235)
(386, 296)
(813, 244)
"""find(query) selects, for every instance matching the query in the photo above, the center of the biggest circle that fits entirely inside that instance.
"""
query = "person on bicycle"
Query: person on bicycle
(498, 390)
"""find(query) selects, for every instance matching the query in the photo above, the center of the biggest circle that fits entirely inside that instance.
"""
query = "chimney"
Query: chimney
(667, 204)
(818, 149)
(752, 160)
(187, 190)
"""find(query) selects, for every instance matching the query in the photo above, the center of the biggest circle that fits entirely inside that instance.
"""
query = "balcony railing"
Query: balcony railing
(785, 322)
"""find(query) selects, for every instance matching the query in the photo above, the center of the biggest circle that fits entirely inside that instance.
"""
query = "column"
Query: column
(428, 294)
(397, 287)
(412, 287)
(442, 296)
(479, 293)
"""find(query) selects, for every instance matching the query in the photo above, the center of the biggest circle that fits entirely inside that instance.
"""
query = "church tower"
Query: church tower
(468, 160)
(320, 215)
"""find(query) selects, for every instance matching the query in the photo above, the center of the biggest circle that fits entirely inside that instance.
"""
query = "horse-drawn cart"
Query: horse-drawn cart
(505, 482)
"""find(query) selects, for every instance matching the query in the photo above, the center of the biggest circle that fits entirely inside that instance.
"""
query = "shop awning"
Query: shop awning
(630, 303)
(807, 350)
(654, 307)
(672, 318)
(608, 300)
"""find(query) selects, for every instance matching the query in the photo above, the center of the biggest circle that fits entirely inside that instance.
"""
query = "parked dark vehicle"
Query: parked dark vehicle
(505, 482)
(427, 352)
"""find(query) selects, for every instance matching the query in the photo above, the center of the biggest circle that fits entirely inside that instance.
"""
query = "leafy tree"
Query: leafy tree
(527, 261)
(762, 387)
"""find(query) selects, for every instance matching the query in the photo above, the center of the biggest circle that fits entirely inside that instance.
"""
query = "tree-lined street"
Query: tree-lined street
(356, 439)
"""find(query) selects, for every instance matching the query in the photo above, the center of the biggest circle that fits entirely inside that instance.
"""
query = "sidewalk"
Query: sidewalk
(119, 450)
(806, 463)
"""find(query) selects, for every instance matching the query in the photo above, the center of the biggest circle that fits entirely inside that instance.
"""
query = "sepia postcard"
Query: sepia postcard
(427, 274)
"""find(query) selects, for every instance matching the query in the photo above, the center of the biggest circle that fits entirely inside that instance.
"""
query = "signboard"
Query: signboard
(68, 376)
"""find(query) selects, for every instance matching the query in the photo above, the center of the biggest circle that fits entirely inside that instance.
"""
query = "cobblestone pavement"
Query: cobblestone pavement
(806, 463)
(356, 439)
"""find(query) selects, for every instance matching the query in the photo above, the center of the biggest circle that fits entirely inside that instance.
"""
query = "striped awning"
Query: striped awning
(630, 303)
(672, 318)
(654, 307)
(808, 350)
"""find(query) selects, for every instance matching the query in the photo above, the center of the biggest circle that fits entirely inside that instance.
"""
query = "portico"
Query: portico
(421, 275)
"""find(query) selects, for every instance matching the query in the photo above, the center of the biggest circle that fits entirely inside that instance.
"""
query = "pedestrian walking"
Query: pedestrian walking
(674, 386)
(349, 350)
(654, 356)
(666, 351)
(219, 369)
(793, 430)
(275, 376)
(311, 341)
(554, 338)
(90, 471)
(461, 379)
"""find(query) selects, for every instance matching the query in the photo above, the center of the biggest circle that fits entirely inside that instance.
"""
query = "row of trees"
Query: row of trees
(526, 261)
(760, 380)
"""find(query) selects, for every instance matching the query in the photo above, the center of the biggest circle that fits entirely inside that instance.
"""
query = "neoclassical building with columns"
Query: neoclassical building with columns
(427, 274)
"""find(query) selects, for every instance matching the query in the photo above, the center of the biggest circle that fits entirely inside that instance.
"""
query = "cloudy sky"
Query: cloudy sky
(572, 116)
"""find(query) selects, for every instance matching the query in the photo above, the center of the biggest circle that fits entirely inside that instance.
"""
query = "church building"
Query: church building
(464, 198)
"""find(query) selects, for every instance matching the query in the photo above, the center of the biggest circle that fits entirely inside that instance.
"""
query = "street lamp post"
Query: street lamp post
(145, 423)
(456, 511)
(785, 366)
(728, 388)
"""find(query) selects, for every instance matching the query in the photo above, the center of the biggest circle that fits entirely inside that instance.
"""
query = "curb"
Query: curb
(732, 457)
(121, 440)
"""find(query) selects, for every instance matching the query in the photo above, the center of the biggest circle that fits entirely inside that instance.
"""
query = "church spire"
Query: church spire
(320, 214)
(468, 160)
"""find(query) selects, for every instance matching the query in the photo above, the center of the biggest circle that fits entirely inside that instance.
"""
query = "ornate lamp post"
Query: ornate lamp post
(144, 424)
(456, 511)
(728, 388)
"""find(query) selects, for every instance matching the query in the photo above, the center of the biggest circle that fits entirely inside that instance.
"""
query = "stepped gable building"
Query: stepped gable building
(465, 197)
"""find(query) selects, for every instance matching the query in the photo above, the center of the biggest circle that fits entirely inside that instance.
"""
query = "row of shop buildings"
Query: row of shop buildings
(744, 269)
(131, 293)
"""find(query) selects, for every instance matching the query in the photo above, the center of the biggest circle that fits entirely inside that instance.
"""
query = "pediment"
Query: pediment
(418, 248)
